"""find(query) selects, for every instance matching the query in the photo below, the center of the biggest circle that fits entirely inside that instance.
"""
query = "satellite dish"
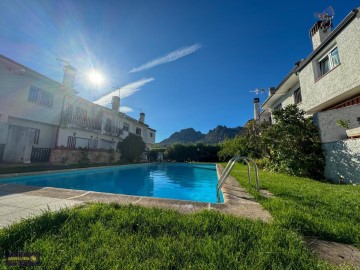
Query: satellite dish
(325, 17)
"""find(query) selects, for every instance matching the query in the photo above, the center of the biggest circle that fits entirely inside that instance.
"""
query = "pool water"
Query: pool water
(195, 182)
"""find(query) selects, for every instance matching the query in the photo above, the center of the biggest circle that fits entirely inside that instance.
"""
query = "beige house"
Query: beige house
(38, 115)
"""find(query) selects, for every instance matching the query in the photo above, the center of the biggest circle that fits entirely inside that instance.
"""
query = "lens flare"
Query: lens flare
(96, 77)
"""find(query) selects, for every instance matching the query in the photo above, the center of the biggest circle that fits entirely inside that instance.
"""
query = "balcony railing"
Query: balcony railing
(112, 130)
(70, 119)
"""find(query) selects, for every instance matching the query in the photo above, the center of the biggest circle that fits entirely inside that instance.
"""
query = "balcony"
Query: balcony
(73, 120)
(112, 130)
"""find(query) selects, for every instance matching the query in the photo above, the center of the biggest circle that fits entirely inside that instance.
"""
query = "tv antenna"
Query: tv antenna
(325, 17)
(66, 62)
(258, 91)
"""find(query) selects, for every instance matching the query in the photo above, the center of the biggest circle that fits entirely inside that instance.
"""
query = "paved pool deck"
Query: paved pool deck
(19, 201)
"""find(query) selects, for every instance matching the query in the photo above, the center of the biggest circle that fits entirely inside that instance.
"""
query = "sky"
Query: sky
(183, 63)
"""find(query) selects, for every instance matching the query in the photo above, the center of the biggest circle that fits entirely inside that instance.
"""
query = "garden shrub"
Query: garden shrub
(131, 148)
(292, 145)
(192, 152)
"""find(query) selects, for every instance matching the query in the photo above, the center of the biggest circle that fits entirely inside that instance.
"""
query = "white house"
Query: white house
(38, 115)
(326, 85)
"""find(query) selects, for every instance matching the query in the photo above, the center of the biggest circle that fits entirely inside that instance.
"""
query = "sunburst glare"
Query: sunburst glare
(96, 77)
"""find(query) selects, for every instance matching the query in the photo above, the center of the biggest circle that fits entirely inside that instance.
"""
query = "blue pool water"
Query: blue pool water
(195, 182)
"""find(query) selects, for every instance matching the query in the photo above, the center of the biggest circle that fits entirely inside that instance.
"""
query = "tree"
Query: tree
(131, 148)
(152, 155)
(192, 152)
(248, 143)
(294, 144)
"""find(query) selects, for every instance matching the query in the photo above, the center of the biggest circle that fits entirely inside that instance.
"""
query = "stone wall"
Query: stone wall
(343, 161)
(69, 156)
(326, 122)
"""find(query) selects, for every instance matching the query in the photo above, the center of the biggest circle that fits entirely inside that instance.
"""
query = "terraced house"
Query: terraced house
(42, 120)
(326, 85)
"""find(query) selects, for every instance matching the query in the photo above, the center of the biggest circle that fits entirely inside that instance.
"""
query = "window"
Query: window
(36, 136)
(151, 134)
(40, 97)
(138, 131)
(126, 127)
(108, 125)
(329, 61)
(108, 122)
(297, 96)
(278, 107)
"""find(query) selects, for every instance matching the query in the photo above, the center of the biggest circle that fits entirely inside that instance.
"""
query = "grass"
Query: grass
(102, 236)
(311, 208)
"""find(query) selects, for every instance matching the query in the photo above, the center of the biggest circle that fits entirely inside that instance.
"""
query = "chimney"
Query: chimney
(319, 31)
(256, 108)
(142, 118)
(115, 103)
(272, 91)
(69, 76)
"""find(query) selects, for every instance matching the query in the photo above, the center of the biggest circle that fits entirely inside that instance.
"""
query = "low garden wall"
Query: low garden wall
(343, 161)
(76, 156)
(326, 121)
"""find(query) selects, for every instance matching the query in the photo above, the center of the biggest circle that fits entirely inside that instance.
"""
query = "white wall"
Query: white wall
(343, 161)
(14, 91)
(326, 121)
(47, 137)
(344, 79)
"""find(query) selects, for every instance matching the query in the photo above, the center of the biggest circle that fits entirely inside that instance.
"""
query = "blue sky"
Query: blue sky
(183, 63)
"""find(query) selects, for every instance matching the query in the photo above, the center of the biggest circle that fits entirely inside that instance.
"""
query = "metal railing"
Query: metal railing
(71, 119)
(226, 172)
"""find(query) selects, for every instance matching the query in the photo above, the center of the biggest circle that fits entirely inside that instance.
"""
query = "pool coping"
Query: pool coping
(237, 201)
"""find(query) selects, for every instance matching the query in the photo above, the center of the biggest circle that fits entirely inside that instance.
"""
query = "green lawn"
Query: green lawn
(103, 236)
(312, 208)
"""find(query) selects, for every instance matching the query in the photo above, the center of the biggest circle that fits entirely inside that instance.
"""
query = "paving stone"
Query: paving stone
(6, 209)
(25, 201)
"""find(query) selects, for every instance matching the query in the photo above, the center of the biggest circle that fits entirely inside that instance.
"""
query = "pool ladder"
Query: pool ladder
(226, 172)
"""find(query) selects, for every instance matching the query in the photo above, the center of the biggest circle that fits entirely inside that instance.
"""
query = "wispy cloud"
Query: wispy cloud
(170, 57)
(125, 91)
(125, 109)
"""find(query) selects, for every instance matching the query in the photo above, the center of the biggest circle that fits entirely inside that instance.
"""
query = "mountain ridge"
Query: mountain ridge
(190, 136)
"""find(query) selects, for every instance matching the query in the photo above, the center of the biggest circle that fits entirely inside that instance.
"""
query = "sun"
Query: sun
(96, 77)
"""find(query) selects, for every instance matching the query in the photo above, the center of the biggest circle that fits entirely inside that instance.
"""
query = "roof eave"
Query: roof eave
(330, 37)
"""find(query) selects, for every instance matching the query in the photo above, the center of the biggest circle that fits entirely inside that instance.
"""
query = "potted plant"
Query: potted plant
(350, 132)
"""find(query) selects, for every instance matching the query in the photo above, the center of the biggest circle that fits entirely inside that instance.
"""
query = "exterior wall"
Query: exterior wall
(343, 161)
(14, 91)
(4, 127)
(343, 79)
(151, 140)
(67, 157)
(326, 121)
(288, 98)
(47, 137)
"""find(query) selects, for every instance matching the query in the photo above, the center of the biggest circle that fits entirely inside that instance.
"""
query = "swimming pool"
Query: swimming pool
(194, 182)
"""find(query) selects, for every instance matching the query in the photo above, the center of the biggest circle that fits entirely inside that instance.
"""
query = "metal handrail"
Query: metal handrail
(226, 172)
